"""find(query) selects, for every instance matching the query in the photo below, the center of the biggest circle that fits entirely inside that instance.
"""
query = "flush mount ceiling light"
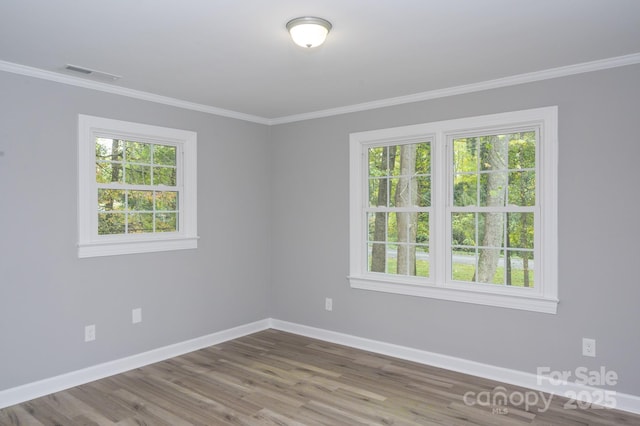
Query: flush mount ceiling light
(308, 31)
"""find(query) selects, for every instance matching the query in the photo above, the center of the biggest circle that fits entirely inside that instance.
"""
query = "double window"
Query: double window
(462, 210)
(137, 187)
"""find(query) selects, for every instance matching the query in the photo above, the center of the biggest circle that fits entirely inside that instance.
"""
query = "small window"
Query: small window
(462, 210)
(137, 188)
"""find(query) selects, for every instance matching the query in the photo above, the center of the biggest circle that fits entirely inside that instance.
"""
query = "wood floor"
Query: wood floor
(277, 378)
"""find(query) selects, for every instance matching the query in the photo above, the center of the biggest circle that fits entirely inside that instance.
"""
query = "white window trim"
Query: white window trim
(544, 296)
(90, 244)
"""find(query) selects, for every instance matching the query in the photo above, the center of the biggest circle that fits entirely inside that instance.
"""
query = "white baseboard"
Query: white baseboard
(580, 392)
(44, 387)
(8, 397)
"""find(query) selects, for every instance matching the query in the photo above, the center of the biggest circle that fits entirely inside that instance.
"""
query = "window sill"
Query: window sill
(112, 248)
(533, 302)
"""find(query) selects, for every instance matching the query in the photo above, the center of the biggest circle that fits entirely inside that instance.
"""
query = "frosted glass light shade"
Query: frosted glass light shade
(308, 31)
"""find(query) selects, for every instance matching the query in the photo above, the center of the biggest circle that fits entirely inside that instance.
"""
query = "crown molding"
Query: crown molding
(564, 71)
(123, 91)
(513, 80)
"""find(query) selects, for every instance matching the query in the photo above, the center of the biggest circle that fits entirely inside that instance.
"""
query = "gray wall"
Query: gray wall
(273, 221)
(599, 237)
(48, 295)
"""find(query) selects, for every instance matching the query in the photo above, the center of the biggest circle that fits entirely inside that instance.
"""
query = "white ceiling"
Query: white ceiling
(236, 55)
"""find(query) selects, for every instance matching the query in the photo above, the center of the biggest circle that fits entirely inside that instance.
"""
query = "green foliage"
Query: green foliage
(472, 165)
(466, 272)
(135, 163)
(422, 267)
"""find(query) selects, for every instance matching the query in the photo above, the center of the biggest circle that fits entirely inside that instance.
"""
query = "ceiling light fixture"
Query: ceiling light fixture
(308, 31)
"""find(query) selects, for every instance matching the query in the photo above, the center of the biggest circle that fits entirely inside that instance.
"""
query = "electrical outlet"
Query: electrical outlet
(90, 333)
(328, 304)
(588, 347)
(136, 315)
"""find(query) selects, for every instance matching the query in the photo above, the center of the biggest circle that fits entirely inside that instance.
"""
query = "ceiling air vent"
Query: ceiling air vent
(101, 75)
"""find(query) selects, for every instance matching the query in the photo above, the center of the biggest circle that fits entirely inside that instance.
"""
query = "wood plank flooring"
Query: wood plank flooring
(277, 378)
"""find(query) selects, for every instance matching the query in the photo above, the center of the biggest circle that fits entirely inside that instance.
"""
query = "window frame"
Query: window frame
(543, 297)
(90, 243)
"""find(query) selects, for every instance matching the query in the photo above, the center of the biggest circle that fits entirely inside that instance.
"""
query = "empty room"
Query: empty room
(412, 212)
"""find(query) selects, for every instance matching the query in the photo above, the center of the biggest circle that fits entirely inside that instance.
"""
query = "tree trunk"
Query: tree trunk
(494, 222)
(407, 196)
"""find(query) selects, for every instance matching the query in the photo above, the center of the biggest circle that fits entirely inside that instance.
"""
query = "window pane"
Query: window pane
(111, 223)
(490, 266)
(108, 172)
(377, 261)
(111, 199)
(378, 192)
(493, 189)
(137, 175)
(140, 200)
(166, 222)
(422, 235)
(392, 227)
(164, 176)
(465, 156)
(378, 161)
(166, 201)
(422, 261)
(521, 269)
(501, 163)
(406, 226)
(392, 259)
(522, 150)
(140, 222)
(493, 152)
(164, 155)
(424, 191)
(522, 188)
(394, 182)
(137, 152)
(465, 191)
(521, 230)
(109, 149)
(463, 229)
(463, 265)
(491, 229)
(394, 160)
(377, 226)
(423, 158)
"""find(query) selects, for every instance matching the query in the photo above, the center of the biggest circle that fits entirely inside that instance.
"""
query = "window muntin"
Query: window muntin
(137, 188)
(514, 194)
